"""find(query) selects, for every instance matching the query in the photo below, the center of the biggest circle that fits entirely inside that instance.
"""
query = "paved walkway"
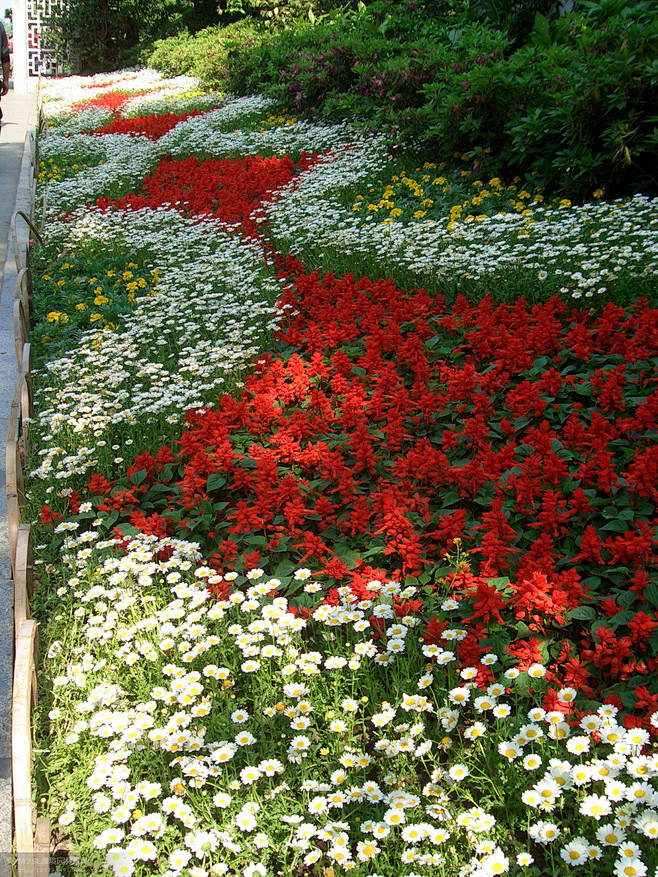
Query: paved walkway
(19, 117)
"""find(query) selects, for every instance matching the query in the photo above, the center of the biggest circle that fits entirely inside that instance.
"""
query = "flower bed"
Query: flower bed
(336, 574)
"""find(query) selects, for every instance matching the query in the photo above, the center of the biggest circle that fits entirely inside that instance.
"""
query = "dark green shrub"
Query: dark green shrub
(575, 106)
(94, 35)
(578, 113)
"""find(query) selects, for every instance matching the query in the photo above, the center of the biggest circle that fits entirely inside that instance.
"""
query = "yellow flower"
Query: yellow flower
(94, 317)
(418, 214)
(46, 339)
(127, 275)
(56, 317)
(132, 286)
(565, 202)
(141, 282)
(395, 212)
(81, 307)
(100, 300)
(598, 193)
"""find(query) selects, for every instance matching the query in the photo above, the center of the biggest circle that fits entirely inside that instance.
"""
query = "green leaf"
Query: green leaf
(500, 582)
(627, 698)
(284, 569)
(616, 526)
(622, 617)
(653, 641)
(450, 497)
(215, 482)
(651, 593)
(581, 613)
(625, 598)
(541, 34)
(137, 477)
(256, 541)
(110, 519)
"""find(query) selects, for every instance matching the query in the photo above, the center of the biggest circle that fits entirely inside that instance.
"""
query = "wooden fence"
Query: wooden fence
(31, 834)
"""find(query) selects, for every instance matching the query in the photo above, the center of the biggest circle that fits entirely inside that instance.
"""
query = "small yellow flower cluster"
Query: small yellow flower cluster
(82, 297)
(277, 120)
(451, 195)
(61, 168)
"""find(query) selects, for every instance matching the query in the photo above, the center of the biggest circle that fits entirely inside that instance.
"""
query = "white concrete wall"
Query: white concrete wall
(19, 23)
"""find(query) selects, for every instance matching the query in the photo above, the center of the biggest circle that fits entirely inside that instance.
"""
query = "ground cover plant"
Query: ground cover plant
(336, 572)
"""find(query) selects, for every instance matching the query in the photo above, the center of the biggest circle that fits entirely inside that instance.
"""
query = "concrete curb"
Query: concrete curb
(22, 111)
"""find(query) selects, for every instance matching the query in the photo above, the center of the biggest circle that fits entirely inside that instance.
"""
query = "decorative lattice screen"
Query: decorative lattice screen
(40, 58)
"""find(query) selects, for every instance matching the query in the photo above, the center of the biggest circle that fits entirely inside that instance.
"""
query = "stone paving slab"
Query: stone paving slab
(19, 119)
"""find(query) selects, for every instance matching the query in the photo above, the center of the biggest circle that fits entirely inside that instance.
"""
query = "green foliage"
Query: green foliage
(204, 54)
(96, 35)
(575, 113)
(516, 17)
(273, 13)
(574, 107)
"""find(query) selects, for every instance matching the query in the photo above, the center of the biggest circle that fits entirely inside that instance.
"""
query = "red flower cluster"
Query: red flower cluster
(398, 426)
(231, 190)
(111, 100)
(152, 127)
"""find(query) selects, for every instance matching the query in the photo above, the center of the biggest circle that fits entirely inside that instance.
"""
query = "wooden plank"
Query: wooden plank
(14, 484)
(24, 691)
(33, 197)
(18, 287)
(26, 555)
(16, 249)
(23, 577)
(27, 405)
(42, 847)
(21, 330)
(26, 408)
(23, 289)
(14, 468)
(13, 418)
(13, 523)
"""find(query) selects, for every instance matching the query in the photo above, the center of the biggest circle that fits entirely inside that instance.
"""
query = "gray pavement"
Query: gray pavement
(19, 118)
